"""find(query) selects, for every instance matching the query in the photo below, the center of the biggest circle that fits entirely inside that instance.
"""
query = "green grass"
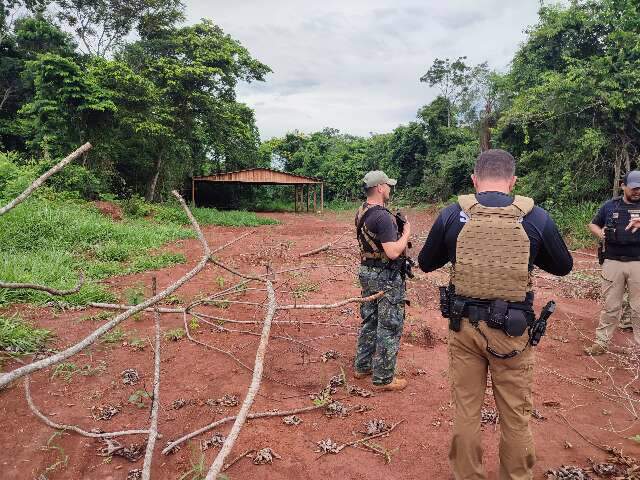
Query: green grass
(18, 336)
(573, 223)
(49, 240)
(174, 335)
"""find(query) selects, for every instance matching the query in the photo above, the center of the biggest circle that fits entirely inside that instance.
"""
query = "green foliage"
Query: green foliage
(140, 398)
(65, 370)
(572, 221)
(49, 241)
(198, 470)
(18, 336)
(116, 335)
(174, 335)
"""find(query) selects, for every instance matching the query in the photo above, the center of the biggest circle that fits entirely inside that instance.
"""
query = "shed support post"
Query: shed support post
(193, 192)
(321, 197)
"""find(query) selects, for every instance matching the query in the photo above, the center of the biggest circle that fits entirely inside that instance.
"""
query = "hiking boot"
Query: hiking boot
(595, 350)
(395, 385)
(358, 375)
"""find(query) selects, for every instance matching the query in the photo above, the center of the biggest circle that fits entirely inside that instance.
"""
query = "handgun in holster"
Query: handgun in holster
(539, 327)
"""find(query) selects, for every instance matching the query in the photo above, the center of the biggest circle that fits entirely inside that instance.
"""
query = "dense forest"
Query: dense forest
(157, 99)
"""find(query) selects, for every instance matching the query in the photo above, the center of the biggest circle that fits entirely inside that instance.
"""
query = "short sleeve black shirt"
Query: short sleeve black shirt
(380, 222)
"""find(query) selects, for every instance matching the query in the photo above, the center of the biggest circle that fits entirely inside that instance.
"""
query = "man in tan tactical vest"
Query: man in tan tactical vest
(492, 241)
(382, 268)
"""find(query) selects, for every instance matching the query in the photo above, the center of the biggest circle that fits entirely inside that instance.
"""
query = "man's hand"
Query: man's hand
(634, 225)
(407, 229)
(597, 231)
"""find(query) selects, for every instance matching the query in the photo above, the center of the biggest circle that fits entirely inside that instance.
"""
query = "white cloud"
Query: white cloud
(355, 65)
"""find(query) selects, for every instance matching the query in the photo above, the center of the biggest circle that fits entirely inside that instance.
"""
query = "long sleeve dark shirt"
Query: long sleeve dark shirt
(547, 248)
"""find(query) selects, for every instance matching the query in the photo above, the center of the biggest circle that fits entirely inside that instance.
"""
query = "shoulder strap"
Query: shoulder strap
(524, 204)
(467, 202)
(364, 216)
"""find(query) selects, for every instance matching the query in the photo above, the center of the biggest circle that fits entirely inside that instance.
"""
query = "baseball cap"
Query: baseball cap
(632, 179)
(378, 177)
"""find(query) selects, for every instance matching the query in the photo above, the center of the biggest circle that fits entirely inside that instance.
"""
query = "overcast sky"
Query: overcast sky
(354, 65)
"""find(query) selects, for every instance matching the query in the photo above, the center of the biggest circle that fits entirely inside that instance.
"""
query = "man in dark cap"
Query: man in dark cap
(382, 257)
(620, 257)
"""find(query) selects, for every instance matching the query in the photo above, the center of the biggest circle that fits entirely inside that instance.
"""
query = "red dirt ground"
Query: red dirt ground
(419, 446)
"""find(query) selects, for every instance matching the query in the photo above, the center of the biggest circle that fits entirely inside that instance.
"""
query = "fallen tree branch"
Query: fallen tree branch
(220, 328)
(237, 459)
(153, 427)
(72, 428)
(44, 288)
(9, 377)
(227, 353)
(370, 298)
(251, 416)
(323, 248)
(231, 242)
(43, 178)
(236, 272)
(218, 463)
(118, 306)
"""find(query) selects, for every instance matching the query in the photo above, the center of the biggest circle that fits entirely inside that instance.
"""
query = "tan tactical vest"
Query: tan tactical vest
(492, 251)
(370, 246)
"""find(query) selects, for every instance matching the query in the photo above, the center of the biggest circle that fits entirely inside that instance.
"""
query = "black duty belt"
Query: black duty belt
(482, 313)
(621, 258)
(373, 262)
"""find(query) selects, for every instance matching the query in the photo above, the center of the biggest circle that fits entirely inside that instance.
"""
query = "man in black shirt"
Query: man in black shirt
(492, 240)
(620, 249)
(382, 257)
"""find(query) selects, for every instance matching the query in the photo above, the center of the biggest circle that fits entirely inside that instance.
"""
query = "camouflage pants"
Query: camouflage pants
(382, 322)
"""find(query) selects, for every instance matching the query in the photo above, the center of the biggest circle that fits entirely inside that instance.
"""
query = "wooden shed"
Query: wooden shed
(304, 186)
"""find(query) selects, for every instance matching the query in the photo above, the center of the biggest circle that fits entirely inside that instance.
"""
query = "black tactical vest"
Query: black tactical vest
(370, 247)
(621, 244)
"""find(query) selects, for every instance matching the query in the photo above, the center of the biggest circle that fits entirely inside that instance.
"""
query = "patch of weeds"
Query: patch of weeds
(173, 300)
(220, 281)
(138, 344)
(116, 335)
(61, 459)
(134, 295)
(303, 289)
(155, 262)
(174, 335)
(321, 398)
(223, 304)
(65, 370)
(194, 324)
(98, 317)
(91, 371)
(198, 470)
(139, 398)
(18, 336)
(112, 252)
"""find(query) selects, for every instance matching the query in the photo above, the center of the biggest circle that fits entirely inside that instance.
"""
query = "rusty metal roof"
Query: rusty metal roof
(265, 176)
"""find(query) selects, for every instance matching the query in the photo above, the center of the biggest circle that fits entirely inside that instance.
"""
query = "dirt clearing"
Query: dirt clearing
(107, 387)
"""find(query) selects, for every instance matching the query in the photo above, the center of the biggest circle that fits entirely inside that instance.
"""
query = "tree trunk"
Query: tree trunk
(151, 191)
(485, 129)
(616, 173)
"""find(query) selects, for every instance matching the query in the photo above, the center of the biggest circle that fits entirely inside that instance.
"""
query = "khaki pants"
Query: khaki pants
(616, 276)
(511, 381)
